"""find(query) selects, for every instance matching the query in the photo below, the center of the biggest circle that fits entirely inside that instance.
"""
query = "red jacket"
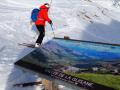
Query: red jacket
(43, 16)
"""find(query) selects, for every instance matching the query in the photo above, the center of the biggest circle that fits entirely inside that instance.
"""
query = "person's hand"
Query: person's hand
(51, 22)
(31, 22)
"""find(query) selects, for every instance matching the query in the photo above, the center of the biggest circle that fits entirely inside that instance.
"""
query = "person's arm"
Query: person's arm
(46, 17)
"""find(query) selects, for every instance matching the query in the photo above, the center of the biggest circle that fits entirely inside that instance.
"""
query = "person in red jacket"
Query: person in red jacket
(40, 23)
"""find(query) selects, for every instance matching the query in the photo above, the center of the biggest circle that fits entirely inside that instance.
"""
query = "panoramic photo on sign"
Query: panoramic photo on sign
(76, 62)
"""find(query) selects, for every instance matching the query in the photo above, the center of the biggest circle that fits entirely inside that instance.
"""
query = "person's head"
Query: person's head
(47, 5)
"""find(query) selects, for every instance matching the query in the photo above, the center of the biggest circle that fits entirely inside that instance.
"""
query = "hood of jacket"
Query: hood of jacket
(44, 7)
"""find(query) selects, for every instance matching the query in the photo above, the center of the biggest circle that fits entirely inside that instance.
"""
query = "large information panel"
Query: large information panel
(75, 62)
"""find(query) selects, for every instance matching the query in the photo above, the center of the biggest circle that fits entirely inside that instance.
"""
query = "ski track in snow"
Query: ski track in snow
(78, 19)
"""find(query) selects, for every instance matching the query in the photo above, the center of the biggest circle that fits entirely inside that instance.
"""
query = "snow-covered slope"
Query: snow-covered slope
(90, 21)
(80, 19)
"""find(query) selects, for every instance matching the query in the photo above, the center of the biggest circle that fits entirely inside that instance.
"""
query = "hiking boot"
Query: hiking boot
(37, 45)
